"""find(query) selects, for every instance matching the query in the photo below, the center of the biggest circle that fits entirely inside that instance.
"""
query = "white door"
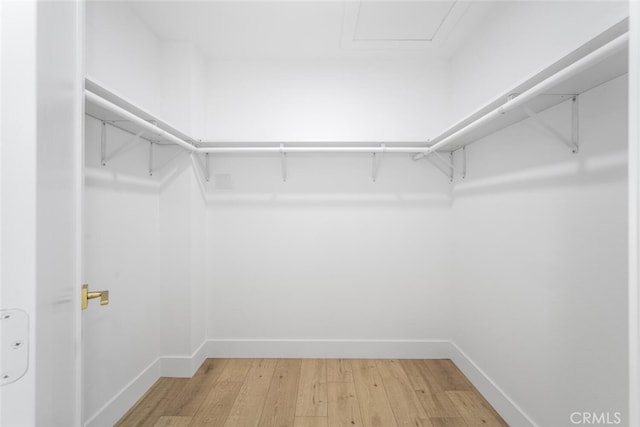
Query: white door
(41, 115)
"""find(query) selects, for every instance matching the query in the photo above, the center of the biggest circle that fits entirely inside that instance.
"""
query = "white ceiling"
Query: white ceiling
(309, 29)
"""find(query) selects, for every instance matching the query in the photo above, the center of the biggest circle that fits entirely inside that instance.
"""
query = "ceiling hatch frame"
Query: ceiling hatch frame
(352, 20)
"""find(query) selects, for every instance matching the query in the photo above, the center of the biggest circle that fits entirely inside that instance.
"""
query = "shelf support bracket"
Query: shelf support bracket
(572, 142)
(448, 163)
(153, 122)
(438, 165)
(122, 149)
(207, 166)
(150, 158)
(575, 123)
(283, 163)
(376, 161)
(464, 162)
(204, 166)
(103, 144)
(201, 166)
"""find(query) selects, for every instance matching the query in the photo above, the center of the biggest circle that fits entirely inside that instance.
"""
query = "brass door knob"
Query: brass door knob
(86, 296)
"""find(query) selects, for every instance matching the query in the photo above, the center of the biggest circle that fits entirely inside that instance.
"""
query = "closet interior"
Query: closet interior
(369, 180)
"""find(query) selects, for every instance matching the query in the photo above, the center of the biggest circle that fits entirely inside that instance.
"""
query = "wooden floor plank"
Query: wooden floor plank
(343, 407)
(248, 406)
(169, 421)
(216, 406)
(420, 376)
(449, 422)
(475, 410)
(280, 403)
(339, 370)
(310, 422)
(406, 407)
(438, 405)
(374, 405)
(149, 408)
(430, 394)
(447, 375)
(195, 391)
(312, 389)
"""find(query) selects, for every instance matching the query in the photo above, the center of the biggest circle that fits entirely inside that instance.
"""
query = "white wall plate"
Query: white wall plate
(14, 345)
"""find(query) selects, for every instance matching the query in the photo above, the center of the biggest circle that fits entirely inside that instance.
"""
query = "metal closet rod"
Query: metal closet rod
(577, 67)
(382, 148)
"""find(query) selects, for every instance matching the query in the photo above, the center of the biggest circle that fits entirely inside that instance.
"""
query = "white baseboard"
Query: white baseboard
(506, 407)
(119, 404)
(331, 349)
(183, 366)
(186, 366)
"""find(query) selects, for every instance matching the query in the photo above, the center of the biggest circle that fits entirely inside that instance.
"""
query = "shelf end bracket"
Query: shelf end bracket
(376, 160)
(150, 158)
(201, 166)
(283, 163)
(103, 143)
(575, 123)
(448, 164)
(464, 161)
(572, 142)
(206, 167)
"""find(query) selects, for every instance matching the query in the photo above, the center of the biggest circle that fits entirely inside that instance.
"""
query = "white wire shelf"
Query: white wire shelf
(596, 62)
(108, 115)
(608, 69)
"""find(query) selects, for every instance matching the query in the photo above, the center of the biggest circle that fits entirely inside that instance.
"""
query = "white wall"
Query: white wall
(122, 253)
(144, 234)
(518, 40)
(123, 54)
(540, 256)
(175, 230)
(352, 99)
(165, 78)
(182, 231)
(183, 83)
(328, 254)
(144, 242)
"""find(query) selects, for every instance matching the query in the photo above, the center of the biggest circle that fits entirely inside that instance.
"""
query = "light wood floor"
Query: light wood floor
(315, 393)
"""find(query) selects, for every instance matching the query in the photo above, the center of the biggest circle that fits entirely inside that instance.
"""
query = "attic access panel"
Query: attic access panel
(401, 20)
